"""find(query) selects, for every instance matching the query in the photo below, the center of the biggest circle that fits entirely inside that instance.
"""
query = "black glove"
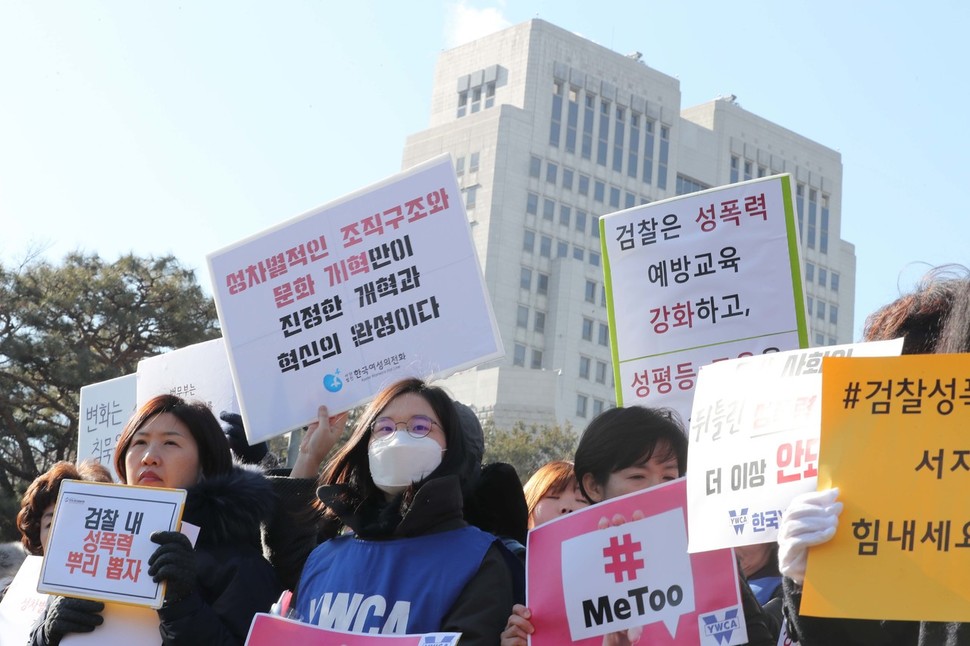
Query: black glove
(174, 563)
(69, 615)
(232, 426)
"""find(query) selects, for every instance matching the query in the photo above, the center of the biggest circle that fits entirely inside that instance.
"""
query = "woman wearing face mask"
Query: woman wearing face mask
(405, 560)
(212, 590)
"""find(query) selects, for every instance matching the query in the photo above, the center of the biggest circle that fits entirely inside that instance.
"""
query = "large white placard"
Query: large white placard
(105, 409)
(754, 439)
(22, 605)
(196, 372)
(100, 541)
(700, 278)
(330, 307)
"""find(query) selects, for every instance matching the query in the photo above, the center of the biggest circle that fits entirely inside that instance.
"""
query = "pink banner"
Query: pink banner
(271, 630)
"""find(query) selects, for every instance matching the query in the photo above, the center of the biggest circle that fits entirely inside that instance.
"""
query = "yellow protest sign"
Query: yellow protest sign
(895, 442)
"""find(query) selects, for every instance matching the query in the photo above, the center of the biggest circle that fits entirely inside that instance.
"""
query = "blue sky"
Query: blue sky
(182, 127)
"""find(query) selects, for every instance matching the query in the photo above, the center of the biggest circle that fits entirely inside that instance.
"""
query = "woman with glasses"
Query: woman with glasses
(404, 560)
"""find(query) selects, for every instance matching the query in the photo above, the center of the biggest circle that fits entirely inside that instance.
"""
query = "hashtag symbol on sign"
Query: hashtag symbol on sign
(851, 395)
(622, 554)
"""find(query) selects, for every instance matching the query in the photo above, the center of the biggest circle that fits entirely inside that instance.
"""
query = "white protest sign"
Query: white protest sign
(700, 278)
(196, 372)
(123, 625)
(22, 605)
(665, 586)
(331, 306)
(271, 630)
(99, 544)
(105, 409)
(754, 439)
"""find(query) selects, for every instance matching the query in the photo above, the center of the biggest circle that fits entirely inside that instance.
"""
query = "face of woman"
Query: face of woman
(753, 557)
(403, 407)
(163, 453)
(643, 475)
(46, 520)
(553, 506)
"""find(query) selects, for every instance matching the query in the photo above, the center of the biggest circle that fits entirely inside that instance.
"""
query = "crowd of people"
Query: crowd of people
(404, 530)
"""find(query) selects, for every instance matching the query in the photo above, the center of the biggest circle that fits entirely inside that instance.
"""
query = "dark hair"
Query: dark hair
(622, 437)
(42, 493)
(497, 502)
(955, 335)
(350, 466)
(214, 455)
(919, 315)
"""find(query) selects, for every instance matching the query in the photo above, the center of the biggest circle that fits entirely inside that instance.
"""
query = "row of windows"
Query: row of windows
(586, 369)
(519, 355)
(582, 406)
(687, 185)
(816, 234)
(748, 169)
(633, 153)
(470, 101)
(582, 182)
(825, 277)
(538, 321)
(820, 308)
(472, 164)
(603, 337)
(568, 217)
(542, 281)
(562, 248)
(820, 339)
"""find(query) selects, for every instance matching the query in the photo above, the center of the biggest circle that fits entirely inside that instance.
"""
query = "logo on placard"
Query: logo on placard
(721, 627)
(738, 519)
(438, 640)
(622, 554)
(333, 382)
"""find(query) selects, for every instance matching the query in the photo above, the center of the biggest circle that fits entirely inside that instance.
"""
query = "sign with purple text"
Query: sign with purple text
(99, 544)
(700, 278)
(754, 441)
(270, 630)
(584, 581)
(332, 306)
(105, 409)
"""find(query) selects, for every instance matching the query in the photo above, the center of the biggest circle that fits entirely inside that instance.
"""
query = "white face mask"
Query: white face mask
(399, 459)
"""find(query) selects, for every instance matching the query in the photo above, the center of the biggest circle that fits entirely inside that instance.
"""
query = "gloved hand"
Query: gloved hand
(174, 563)
(232, 426)
(69, 615)
(811, 519)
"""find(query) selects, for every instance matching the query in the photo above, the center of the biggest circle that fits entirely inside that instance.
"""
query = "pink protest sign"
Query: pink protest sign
(584, 582)
(270, 630)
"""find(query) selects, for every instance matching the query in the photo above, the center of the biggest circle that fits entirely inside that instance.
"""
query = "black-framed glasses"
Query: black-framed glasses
(417, 426)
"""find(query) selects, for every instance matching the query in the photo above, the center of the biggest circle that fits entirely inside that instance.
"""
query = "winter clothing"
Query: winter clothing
(819, 631)
(232, 579)
(469, 587)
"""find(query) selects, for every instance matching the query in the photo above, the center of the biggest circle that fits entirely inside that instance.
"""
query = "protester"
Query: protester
(393, 499)
(552, 491)
(624, 450)
(213, 590)
(759, 564)
(935, 318)
(497, 505)
(37, 505)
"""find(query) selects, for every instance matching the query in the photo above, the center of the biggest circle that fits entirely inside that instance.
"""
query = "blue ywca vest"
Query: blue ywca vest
(399, 586)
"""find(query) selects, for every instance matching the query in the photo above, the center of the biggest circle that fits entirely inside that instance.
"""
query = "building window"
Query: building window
(819, 338)
(812, 209)
(664, 155)
(619, 137)
(587, 329)
(565, 214)
(809, 272)
(604, 335)
(476, 99)
(747, 170)
(820, 310)
(597, 406)
(536, 359)
(556, 124)
(594, 259)
(599, 191)
(811, 301)
(522, 316)
(542, 284)
(531, 203)
(539, 322)
(490, 94)
(614, 197)
(603, 295)
(835, 282)
(462, 103)
(473, 163)
(823, 277)
(595, 229)
(518, 355)
(584, 367)
(583, 184)
(535, 167)
(633, 154)
(545, 246)
(471, 194)
(735, 164)
(588, 114)
(579, 253)
(567, 179)
(762, 171)
(572, 119)
(590, 291)
(548, 209)
(460, 166)
(629, 200)
(687, 185)
(648, 128)
(562, 249)
(581, 401)
(525, 278)
(528, 241)
(604, 133)
(552, 172)
(581, 221)
(800, 207)
(834, 314)
(823, 233)
(601, 369)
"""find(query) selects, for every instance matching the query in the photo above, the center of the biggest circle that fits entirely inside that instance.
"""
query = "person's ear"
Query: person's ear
(594, 490)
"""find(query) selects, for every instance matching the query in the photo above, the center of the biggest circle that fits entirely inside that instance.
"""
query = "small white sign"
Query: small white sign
(198, 372)
(105, 409)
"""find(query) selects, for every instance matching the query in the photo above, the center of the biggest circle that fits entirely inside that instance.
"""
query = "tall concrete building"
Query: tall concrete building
(549, 131)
